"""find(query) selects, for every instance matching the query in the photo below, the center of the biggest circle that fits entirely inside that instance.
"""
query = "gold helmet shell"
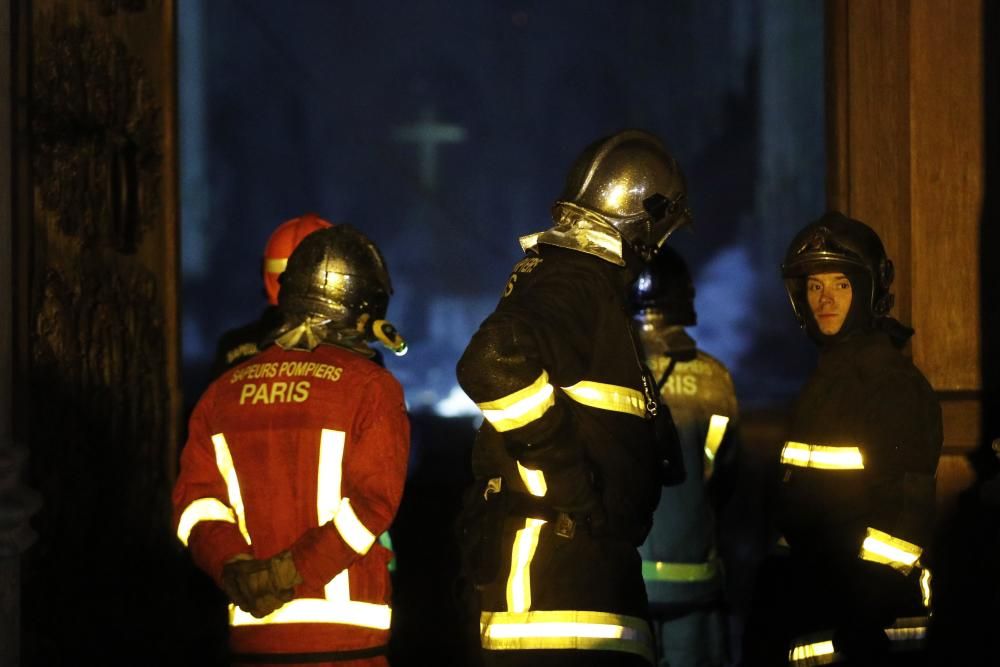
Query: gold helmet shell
(630, 182)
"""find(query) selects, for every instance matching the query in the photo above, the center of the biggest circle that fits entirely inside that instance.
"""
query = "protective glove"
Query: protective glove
(259, 587)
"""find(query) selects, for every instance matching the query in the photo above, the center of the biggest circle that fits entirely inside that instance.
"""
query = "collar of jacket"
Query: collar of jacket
(587, 236)
(861, 349)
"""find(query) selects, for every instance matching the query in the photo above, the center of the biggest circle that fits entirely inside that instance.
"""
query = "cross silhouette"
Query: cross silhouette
(427, 133)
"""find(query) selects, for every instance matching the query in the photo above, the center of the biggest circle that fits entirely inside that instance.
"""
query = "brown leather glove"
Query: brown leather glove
(259, 587)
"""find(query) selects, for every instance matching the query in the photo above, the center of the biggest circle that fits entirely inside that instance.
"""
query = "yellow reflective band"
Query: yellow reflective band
(224, 462)
(275, 265)
(584, 630)
(824, 458)
(880, 547)
(533, 479)
(818, 649)
(203, 509)
(608, 397)
(519, 581)
(313, 610)
(716, 429)
(331, 458)
(522, 407)
(811, 654)
(908, 631)
(906, 634)
(351, 529)
(655, 570)
(925, 587)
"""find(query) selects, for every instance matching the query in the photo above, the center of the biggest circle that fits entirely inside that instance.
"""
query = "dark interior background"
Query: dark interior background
(444, 131)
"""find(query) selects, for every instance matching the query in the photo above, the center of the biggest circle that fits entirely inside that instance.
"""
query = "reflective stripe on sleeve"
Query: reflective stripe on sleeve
(314, 610)
(534, 480)
(822, 457)
(351, 529)
(608, 397)
(203, 509)
(522, 407)
(879, 547)
(224, 461)
(585, 630)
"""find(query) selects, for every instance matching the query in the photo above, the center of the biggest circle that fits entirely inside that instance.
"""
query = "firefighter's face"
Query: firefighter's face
(829, 296)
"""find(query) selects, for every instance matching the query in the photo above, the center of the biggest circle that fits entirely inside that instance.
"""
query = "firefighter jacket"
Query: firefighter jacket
(567, 452)
(680, 558)
(237, 345)
(304, 451)
(855, 500)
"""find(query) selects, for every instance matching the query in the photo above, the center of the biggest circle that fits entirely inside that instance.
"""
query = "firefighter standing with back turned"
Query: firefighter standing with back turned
(295, 462)
(239, 344)
(854, 498)
(681, 563)
(567, 465)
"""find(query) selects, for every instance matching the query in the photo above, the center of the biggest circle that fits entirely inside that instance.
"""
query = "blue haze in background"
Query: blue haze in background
(444, 131)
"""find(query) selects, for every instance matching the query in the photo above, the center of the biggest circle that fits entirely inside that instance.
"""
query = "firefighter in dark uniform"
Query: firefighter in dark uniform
(854, 499)
(567, 467)
(681, 563)
(295, 463)
(239, 344)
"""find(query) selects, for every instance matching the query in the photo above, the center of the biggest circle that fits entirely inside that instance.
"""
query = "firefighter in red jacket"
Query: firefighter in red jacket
(237, 345)
(295, 462)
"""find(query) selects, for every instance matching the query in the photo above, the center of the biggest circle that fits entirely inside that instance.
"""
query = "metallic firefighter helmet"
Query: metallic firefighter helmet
(279, 247)
(630, 182)
(336, 289)
(836, 243)
(665, 290)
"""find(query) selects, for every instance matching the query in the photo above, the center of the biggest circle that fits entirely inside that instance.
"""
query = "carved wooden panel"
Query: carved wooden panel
(101, 324)
(947, 189)
(905, 156)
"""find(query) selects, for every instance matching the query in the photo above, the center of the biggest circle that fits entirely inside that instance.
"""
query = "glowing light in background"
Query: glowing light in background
(726, 299)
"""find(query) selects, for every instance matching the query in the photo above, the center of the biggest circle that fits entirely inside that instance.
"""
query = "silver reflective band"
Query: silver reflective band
(351, 529)
(521, 407)
(224, 462)
(329, 474)
(583, 630)
(203, 509)
(314, 610)
(822, 457)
